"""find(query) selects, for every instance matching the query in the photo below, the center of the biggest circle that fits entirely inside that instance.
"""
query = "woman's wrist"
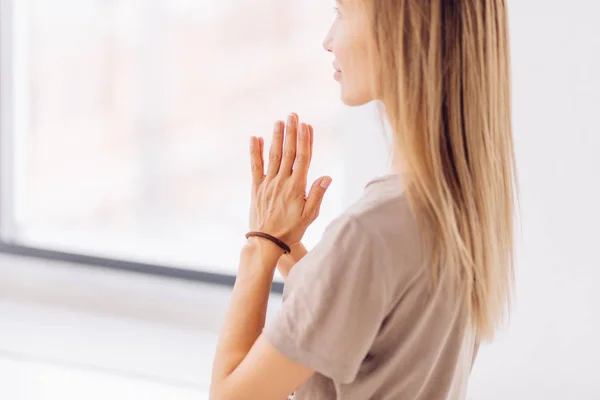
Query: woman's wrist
(264, 249)
(287, 261)
(298, 251)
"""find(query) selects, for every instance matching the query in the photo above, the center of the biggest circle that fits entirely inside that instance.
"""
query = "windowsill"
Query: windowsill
(119, 323)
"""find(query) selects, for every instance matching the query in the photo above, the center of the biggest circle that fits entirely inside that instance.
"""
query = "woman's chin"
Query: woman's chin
(353, 100)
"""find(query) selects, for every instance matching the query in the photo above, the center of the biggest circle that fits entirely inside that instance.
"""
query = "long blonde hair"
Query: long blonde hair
(443, 74)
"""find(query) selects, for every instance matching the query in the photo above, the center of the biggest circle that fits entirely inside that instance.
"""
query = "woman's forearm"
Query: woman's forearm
(245, 317)
(287, 261)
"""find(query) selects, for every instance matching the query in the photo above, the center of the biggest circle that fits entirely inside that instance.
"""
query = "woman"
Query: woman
(394, 300)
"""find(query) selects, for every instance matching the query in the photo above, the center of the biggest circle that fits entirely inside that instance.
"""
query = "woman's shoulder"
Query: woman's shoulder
(393, 232)
(388, 219)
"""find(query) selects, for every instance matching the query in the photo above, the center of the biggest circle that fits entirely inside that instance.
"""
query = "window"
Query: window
(125, 123)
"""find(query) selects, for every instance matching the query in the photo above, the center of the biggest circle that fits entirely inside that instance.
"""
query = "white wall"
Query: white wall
(551, 349)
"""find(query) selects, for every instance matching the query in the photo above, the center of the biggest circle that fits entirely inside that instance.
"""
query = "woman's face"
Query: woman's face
(348, 41)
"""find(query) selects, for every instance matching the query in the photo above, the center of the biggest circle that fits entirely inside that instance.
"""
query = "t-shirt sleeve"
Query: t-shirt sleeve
(335, 301)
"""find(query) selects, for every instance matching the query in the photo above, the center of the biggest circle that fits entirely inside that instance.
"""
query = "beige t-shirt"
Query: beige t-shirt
(359, 310)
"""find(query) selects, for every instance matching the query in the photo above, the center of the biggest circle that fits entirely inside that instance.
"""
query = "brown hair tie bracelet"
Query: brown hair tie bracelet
(285, 247)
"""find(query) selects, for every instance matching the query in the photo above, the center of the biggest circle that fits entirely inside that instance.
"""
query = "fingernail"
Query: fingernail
(277, 126)
(252, 143)
(291, 119)
(325, 183)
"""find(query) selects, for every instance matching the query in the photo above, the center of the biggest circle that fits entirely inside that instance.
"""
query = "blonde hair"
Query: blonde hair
(443, 76)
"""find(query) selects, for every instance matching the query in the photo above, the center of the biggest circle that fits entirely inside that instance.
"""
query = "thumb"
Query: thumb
(315, 196)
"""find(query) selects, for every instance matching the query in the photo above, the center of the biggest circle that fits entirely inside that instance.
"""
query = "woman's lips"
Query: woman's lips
(338, 72)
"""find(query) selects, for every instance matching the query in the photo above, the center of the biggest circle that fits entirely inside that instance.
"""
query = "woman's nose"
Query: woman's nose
(327, 41)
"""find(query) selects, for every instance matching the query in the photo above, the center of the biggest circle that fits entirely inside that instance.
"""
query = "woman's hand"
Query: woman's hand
(279, 204)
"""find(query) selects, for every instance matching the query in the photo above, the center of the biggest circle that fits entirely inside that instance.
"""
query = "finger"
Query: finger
(256, 164)
(311, 131)
(275, 150)
(315, 197)
(303, 155)
(289, 148)
(261, 148)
